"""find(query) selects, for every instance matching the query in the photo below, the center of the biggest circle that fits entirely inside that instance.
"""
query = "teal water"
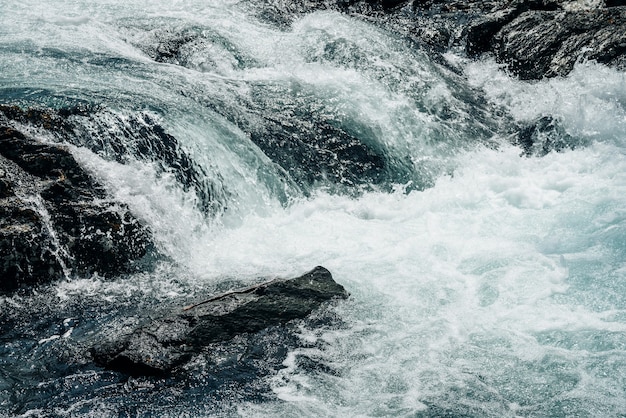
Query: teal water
(483, 282)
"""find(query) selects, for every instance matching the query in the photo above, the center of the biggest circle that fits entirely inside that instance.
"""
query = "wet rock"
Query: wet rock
(541, 44)
(56, 219)
(481, 32)
(27, 253)
(122, 138)
(6, 190)
(545, 135)
(320, 153)
(163, 344)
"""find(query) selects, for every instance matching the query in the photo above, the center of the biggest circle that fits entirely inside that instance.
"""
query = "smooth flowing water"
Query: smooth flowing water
(483, 282)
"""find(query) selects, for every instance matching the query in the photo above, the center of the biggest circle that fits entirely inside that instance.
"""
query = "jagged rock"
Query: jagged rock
(541, 44)
(26, 250)
(480, 33)
(122, 138)
(57, 219)
(163, 344)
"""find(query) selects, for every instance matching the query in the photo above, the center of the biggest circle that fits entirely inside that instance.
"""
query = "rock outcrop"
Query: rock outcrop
(541, 44)
(163, 344)
(535, 38)
(538, 38)
(122, 138)
(56, 219)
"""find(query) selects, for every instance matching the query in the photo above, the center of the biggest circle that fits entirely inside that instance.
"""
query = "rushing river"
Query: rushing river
(485, 280)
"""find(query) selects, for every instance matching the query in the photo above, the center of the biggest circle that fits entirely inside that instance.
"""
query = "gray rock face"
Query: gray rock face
(55, 219)
(163, 344)
(541, 44)
(535, 38)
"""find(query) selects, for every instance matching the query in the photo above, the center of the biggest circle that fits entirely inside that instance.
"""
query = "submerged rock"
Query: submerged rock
(163, 344)
(57, 219)
(545, 135)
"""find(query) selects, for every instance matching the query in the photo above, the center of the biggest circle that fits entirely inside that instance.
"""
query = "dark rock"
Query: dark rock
(163, 344)
(547, 44)
(320, 152)
(121, 139)
(48, 162)
(62, 222)
(545, 135)
(615, 3)
(388, 4)
(27, 251)
(480, 33)
(6, 190)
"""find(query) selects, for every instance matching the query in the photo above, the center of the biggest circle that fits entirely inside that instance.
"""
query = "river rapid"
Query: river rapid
(486, 280)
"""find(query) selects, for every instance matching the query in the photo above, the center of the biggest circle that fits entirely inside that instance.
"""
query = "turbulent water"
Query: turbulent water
(485, 280)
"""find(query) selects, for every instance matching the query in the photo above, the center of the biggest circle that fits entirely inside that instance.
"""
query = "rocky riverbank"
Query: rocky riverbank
(535, 39)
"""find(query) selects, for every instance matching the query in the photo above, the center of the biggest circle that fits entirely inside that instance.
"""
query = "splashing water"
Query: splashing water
(482, 283)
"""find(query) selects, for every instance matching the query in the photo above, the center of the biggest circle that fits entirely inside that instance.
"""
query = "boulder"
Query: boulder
(56, 219)
(161, 345)
(540, 44)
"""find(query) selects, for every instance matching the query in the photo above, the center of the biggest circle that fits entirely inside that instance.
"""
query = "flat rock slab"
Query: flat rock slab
(163, 344)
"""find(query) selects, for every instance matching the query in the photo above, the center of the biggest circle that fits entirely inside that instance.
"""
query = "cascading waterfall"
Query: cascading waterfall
(485, 280)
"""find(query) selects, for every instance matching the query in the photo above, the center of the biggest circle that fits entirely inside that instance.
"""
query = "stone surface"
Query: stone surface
(56, 219)
(163, 344)
(535, 38)
(122, 138)
(541, 44)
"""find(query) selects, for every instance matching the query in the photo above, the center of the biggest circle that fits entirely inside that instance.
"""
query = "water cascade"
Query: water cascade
(486, 277)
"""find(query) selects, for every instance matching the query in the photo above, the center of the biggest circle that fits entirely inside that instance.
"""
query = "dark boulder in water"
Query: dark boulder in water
(545, 135)
(163, 344)
(57, 219)
(315, 151)
(541, 44)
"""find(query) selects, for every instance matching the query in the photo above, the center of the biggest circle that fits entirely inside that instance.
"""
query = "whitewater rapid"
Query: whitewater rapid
(488, 284)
